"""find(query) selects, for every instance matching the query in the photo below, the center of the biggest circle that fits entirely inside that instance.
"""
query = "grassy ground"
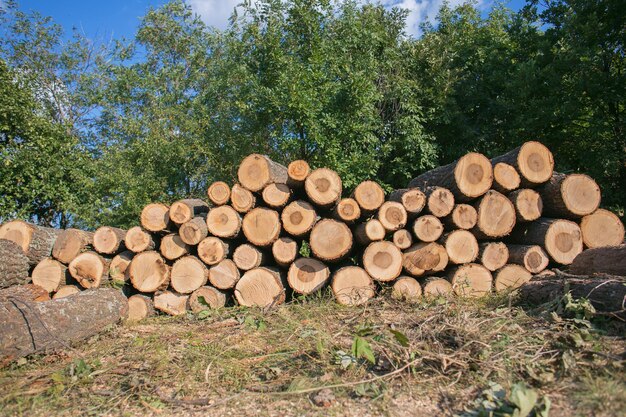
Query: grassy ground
(447, 357)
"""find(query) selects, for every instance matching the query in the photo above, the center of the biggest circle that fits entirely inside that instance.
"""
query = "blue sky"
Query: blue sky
(119, 18)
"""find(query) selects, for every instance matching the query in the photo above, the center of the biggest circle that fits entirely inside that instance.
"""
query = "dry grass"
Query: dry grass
(431, 359)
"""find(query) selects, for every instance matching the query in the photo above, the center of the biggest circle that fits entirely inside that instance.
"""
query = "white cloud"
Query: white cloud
(214, 12)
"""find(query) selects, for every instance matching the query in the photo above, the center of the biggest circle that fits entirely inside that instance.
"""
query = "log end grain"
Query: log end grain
(298, 218)
(261, 226)
(330, 240)
(323, 187)
(382, 261)
(155, 217)
(307, 275)
(352, 286)
(260, 287)
(602, 228)
(219, 193)
(369, 195)
(406, 289)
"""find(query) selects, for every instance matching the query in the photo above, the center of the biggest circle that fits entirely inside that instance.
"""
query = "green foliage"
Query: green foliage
(523, 402)
(361, 348)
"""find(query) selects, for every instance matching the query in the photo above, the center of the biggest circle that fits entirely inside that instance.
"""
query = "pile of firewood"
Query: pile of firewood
(467, 228)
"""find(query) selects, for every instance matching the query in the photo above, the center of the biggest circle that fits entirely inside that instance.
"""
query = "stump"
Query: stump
(406, 289)
(423, 258)
(496, 216)
(219, 193)
(224, 275)
(260, 287)
(212, 298)
(257, 171)
(533, 161)
(412, 199)
(109, 240)
(90, 269)
(148, 272)
(14, 264)
(493, 255)
(49, 274)
(213, 250)
(369, 196)
(562, 239)
(570, 196)
(188, 274)
(285, 250)
(183, 211)
(510, 277)
(223, 221)
(370, 231)
(330, 240)
(36, 241)
(194, 231)
(505, 178)
(298, 218)
(70, 243)
(427, 228)
(392, 216)
(352, 286)
(347, 210)
(248, 257)
(528, 204)
(307, 275)
(140, 307)
(323, 187)
(172, 247)
(602, 228)
(461, 246)
(138, 240)
(261, 226)
(171, 302)
(155, 217)
(241, 199)
(470, 280)
(531, 257)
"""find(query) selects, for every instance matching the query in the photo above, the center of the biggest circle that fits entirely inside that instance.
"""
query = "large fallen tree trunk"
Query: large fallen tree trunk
(29, 327)
(14, 264)
(606, 260)
(35, 241)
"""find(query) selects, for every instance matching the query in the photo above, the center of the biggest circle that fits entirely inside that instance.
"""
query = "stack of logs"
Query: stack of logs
(467, 228)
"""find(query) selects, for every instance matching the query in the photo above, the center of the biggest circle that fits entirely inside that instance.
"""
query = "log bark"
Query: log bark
(470, 280)
(531, 257)
(413, 200)
(66, 291)
(352, 286)
(392, 216)
(505, 178)
(260, 287)
(330, 240)
(224, 221)
(188, 274)
(213, 250)
(369, 196)
(172, 247)
(261, 226)
(241, 199)
(248, 257)
(14, 264)
(436, 287)
(510, 277)
(533, 161)
(183, 211)
(382, 261)
(562, 239)
(70, 243)
(427, 228)
(194, 230)
(49, 274)
(119, 265)
(570, 196)
(155, 217)
(26, 292)
(347, 211)
(35, 241)
(463, 216)
(140, 307)
(406, 289)
(493, 255)
(496, 216)
(528, 204)
(285, 250)
(461, 246)
(298, 218)
(467, 178)
(276, 195)
(138, 240)
(171, 302)
(211, 296)
(402, 239)
(109, 240)
(219, 193)
(423, 258)
(602, 228)
(148, 272)
(606, 260)
(323, 187)
(307, 275)
(439, 201)
(256, 171)
(30, 327)
(90, 269)
(298, 171)
(224, 275)
(370, 231)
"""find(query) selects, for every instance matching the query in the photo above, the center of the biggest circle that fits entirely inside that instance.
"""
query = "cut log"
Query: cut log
(224, 221)
(224, 275)
(493, 255)
(412, 199)
(212, 298)
(298, 218)
(470, 280)
(65, 291)
(532, 160)
(256, 171)
(188, 274)
(528, 204)
(194, 230)
(261, 226)
(35, 241)
(248, 257)
(323, 187)
(109, 240)
(467, 178)
(347, 210)
(461, 246)
(70, 243)
(427, 228)
(138, 240)
(382, 261)
(330, 240)
(172, 247)
(402, 239)
(171, 302)
(392, 216)
(423, 258)
(298, 171)
(276, 195)
(439, 201)
(213, 250)
(241, 199)
(352, 286)
(463, 216)
(606, 260)
(90, 269)
(260, 287)
(531, 257)
(562, 239)
(370, 231)
(436, 287)
(570, 196)
(406, 289)
(49, 274)
(26, 292)
(219, 193)
(155, 217)
(119, 265)
(505, 178)
(14, 264)
(602, 228)
(140, 307)
(148, 272)
(285, 250)
(183, 211)
(369, 196)
(30, 327)
(496, 216)
(510, 277)
(307, 275)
